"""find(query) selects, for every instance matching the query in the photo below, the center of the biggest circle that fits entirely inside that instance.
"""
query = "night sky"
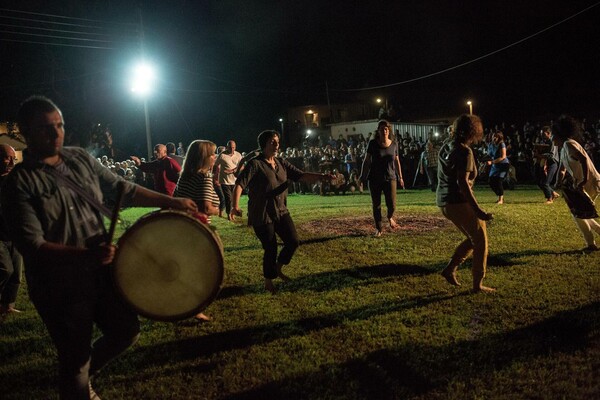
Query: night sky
(229, 69)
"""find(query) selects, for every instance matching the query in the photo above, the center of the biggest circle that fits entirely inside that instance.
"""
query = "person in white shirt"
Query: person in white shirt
(578, 178)
(228, 162)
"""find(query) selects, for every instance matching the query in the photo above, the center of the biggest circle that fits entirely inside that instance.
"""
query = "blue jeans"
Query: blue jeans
(546, 179)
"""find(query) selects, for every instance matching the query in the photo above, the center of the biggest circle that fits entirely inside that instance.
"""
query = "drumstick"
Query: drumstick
(115, 214)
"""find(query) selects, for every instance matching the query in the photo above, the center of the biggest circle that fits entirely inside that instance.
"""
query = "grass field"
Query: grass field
(363, 317)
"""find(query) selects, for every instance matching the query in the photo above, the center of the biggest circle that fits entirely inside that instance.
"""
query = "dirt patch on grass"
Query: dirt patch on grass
(364, 225)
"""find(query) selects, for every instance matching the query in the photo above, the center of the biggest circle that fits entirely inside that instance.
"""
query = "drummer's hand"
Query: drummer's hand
(484, 216)
(183, 204)
(102, 254)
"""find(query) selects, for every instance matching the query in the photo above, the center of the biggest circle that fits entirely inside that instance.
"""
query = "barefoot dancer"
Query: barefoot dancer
(381, 168)
(456, 174)
(578, 178)
(266, 177)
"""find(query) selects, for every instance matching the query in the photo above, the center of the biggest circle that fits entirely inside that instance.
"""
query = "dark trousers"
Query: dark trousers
(389, 191)
(11, 265)
(286, 230)
(219, 192)
(432, 176)
(545, 179)
(496, 185)
(228, 196)
(70, 318)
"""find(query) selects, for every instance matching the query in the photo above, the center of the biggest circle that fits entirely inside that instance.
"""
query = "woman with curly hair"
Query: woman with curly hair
(456, 173)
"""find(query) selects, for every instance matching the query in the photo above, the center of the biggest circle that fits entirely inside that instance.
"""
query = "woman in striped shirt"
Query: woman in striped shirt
(196, 180)
(196, 183)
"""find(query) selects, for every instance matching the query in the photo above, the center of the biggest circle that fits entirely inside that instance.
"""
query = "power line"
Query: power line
(470, 61)
(54, 22)
(66, 17)
(22, 32)
(56, 30)
(57, 44)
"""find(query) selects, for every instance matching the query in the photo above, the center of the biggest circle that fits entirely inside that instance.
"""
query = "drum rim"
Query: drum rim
(181, 316)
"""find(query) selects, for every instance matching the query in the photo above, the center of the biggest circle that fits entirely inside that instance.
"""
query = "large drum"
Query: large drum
(168, 266)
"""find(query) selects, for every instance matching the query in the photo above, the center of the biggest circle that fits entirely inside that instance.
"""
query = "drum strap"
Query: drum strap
(91, 200)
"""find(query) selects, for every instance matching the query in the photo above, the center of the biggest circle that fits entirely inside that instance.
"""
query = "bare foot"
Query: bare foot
(281, 275)
(202, 317)
(450, 276)
(483, 289)
(269, 286)
(6, 311)
(377, 234)
(393, 224)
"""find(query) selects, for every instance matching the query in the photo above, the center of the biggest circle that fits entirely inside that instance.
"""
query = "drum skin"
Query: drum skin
(168, 266)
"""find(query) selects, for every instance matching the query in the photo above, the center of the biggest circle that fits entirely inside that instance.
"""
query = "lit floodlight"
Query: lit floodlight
(143, 80)
(436, 134)
(378, 100)
(280, 119)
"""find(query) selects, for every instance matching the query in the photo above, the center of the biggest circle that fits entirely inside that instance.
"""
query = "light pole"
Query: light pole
(143, 80)
(281, 122)
(470, 104)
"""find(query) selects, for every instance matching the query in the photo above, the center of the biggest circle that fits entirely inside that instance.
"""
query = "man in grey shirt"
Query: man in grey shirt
(62, 238)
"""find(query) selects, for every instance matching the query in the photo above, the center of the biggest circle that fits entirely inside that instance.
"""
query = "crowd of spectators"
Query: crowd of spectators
(343, 157)
(127, 169)
(521, 143)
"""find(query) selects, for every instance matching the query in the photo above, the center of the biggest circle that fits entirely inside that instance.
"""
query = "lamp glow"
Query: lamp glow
(143, 80)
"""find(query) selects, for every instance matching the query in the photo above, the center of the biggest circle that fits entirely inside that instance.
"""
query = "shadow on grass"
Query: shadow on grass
(428, 371)
(393, 373)
(334, 280)
(357, 276)
(324, 239)
(205, 346)
(512, 258)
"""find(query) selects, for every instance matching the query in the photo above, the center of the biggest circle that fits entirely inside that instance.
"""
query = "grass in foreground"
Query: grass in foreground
(365, 318)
